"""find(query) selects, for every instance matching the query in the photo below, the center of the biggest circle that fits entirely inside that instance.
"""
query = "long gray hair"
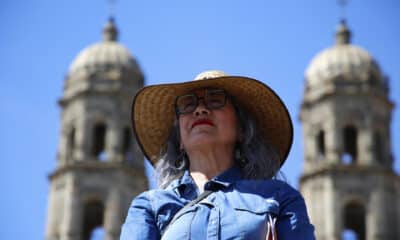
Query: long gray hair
(253, 155)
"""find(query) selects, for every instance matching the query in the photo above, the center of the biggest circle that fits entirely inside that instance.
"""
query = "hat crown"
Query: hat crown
(210, 74)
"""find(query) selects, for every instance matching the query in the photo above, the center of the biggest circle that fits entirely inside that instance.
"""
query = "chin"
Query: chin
(200, 142)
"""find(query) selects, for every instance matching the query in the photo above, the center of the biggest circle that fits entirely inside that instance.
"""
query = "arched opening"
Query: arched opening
(71, 143)
(354, 221)
(378, 148)
(97, 234)
(93, 220)
(127, 145)
(99, 135)
(349, 234)
(320, 144)
(350, 145)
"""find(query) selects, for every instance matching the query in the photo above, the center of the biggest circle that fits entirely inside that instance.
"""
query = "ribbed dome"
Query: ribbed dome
(344, 63)
(104, 55)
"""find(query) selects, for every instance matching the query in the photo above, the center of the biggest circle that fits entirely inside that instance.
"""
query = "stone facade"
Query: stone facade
(348, 180)
(99, 164)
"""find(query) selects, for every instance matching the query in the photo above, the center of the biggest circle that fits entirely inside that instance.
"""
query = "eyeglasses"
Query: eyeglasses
(213, 99)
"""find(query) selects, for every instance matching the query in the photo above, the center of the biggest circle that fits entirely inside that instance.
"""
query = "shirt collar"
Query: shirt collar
(185, 186)
(227, 177)
(224, 179)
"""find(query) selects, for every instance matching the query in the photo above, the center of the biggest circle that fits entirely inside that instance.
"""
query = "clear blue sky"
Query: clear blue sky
(273, 41)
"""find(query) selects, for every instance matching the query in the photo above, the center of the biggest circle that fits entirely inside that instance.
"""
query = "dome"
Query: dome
(104, 55)
(342, 64)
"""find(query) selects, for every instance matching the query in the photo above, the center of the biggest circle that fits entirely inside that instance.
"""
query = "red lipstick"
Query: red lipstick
(202, 121)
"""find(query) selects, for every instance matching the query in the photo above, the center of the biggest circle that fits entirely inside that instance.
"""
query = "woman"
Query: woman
(217, 143)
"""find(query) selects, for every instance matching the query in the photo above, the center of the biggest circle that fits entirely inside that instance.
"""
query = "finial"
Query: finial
(343, 4)
(343, 34)
(112, 7)
(110, 31)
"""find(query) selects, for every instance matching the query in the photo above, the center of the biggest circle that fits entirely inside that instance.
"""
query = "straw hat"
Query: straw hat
(153, 110)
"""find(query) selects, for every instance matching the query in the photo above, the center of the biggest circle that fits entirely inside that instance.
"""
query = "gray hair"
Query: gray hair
(257, 159)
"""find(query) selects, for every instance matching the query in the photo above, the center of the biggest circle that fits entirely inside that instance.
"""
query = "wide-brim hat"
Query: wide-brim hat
(153, 111)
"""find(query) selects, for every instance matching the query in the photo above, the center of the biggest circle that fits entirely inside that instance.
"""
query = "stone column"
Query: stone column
(377, 218)
(333, 147)
(62, 146)
(387, 147)
(113, 141)
(308, 149)
(365, 147)
(83, 139)
(113, 217)
(51, 225)
(71, 228)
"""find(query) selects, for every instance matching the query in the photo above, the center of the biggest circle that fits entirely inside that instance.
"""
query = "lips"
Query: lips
(202, 121)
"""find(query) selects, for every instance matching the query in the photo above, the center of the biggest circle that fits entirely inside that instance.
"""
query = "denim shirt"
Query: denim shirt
(237, 209)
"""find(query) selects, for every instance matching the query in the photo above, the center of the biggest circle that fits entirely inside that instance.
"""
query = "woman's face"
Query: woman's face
(214, 125)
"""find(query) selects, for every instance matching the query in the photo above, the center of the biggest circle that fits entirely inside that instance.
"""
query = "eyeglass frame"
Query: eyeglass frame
(197, 100)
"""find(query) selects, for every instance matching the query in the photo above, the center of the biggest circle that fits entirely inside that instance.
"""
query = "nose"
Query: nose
(201, 109)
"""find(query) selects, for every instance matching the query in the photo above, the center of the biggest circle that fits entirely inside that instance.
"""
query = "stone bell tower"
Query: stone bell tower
(99, 164)
(348, 180)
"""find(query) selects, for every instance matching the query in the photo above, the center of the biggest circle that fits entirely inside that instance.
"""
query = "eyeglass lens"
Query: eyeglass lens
(213, 99)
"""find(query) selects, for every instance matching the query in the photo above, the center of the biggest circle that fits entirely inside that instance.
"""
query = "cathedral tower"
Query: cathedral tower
(348, 180)
(99, 165)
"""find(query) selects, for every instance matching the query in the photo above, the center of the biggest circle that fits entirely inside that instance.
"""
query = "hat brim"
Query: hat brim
(153, 112)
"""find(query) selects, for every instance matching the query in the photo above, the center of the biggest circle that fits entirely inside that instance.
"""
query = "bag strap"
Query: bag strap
(191, 203)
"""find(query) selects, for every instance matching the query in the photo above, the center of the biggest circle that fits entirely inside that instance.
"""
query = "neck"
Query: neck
(208, 163)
